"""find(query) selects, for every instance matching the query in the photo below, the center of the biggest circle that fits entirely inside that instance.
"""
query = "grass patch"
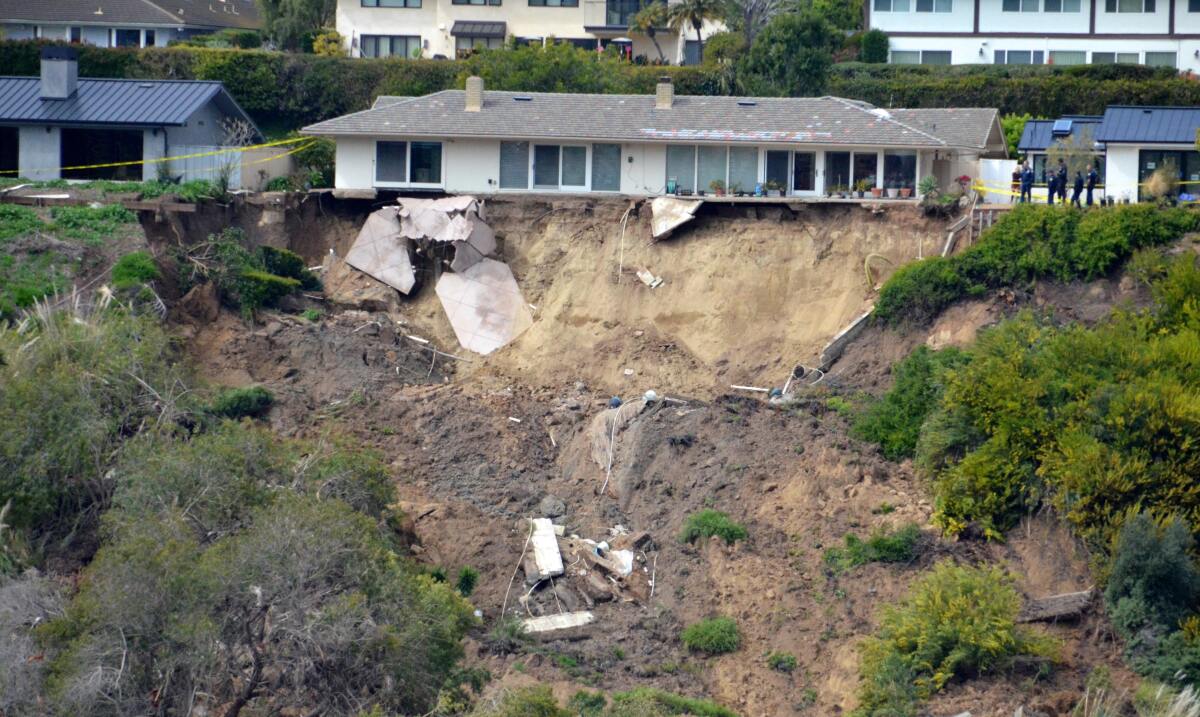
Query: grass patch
(25, 279)
(134, 269)
(782, 661)
(236, 403)
(708, 523)
(649, 698)
(90, 225)
(899, 546)
(712, 636)
(17, 220)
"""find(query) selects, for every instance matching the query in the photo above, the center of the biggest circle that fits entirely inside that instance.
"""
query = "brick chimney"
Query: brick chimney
(664, 94)
(60, 72)
(474, 94)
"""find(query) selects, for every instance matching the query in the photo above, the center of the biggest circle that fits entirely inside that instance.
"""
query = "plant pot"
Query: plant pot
(877, 192)
(893, 192)
(860, 195)
(774, 193)
(905, 192)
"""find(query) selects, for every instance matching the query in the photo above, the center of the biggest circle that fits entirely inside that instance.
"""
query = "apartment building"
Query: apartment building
(123, 23)
(448, 28)
(1021, 32)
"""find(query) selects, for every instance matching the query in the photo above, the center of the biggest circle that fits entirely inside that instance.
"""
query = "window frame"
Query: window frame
(391, 4)
(554, 3)
(408, 165)
(1174, 59)
(391, 40)
(1113, 7)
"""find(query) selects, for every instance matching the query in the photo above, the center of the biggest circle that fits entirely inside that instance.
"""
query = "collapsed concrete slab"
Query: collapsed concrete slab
(669, 213)
(484, 305)
(380, 251)
(454, 221)
(546, 556)
(561, 621)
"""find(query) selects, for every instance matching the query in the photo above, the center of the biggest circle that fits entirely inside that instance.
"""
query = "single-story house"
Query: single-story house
(1126, 144)
(123, 23)
(59, 121)
(480, 142)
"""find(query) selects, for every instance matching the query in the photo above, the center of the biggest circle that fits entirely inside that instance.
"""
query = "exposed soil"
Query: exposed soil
(478, 446)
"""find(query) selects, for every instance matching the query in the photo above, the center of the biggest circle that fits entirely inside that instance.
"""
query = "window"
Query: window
(1062, 6)
(681, 166)
(691, 52)
(475, 2)
(618, 13)
(1185, 164)
(804, 172)
(899, 169)
(553, 3)
(743, 169)
(1108, 58)
(935, 57)
(76, 34)
(1019, 57)
(391, 3)
(935, 5)
(866, 164)
(896, 5)
(1160, 59)
(149, 38)
(837, 171)
(1128, 5)
(546, 161)
(1024, 5)
(391, 161)
(906, 57)
(574, 166)
(127, 38)
(1068, 57)
(390, 46)
(711, 166)
(1193, 5)
(920, 57)
(465, 44)
(777, 169)
(400, 162)
(606, 167)
(514, 165)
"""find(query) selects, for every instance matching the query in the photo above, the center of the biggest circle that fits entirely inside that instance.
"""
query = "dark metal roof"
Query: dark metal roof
(477, 28)
(174, 13)
(143, 103)
(1039, 134)
(1168, 125)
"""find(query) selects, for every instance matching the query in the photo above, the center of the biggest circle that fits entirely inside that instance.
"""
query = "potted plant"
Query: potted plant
(862, 186)
(893, 188)
(774, 188)
(905, 191)
(736, 190)
(876, 192)
(718, 187)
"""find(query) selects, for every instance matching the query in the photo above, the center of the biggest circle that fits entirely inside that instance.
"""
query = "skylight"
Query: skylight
(1061, 127)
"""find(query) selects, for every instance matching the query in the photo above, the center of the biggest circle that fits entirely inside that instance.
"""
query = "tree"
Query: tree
(647, 21)
(288, 22)
(693, 14)
(329, 43)
(873, 47)
(1014, 127)
(790, 57)
(750, 16)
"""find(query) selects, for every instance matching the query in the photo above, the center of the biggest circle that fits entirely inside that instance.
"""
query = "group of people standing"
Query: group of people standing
(1056, 183)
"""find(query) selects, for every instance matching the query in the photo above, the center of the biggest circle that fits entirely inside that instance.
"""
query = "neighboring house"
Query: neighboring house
(58, 120)
(483, 142)
(1021, 32)
(1128, 144)
(123, 23)
(448, 28)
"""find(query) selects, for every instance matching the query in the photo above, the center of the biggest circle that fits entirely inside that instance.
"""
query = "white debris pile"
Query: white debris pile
(481, 297)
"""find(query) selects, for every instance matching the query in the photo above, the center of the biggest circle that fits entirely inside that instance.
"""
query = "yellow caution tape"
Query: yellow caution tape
(309, 141)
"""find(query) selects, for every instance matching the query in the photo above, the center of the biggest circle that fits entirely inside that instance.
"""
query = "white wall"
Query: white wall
(471, 165)
(39, 153)
(647, 173)
(1127, 22)
(354, 166)
(960, 19)
(1121, 172)
(992, 18)
(154, 146)
(965, 50)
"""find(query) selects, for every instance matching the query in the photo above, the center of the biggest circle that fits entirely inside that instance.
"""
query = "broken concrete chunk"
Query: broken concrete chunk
(596, 587)
(381, 252)
(484, 305)
(562, 621)
(545, 549)
(669, 213)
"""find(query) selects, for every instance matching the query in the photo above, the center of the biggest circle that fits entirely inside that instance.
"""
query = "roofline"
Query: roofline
(1151, 107)
(69, 123)
(34, 78)
(89, 23)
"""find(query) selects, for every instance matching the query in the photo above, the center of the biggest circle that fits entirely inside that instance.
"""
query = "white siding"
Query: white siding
(39, 153)
(154, 146)
(355, 163)
(647, 173)
(1121, 171)
(471, 165)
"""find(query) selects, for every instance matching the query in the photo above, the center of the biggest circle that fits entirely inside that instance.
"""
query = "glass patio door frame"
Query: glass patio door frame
(818, 162)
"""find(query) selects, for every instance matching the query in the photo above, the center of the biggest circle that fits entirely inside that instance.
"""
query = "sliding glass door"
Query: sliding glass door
(804, 172)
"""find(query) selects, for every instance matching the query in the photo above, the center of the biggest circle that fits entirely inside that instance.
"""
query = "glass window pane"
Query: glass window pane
(606, 167)
(1039, 57)
(943, 5)
(1019, 57)
(1129, 5)
(574, 166)
(681, 166)
(886, 5)
(1068, 57)
(935, 57)
(545, 165)
(906, 57)
(865, 164)
(1160, 59)
(1193, 5)
(514, 165)
(390, 161)
(1011, 5)
(924, 5)
(899, 5)
(777, 169)
(804, 175)
(743, 169)
(899, 169)
(1128, 58)
(837, 171)
(426, 163)
(1071, 5)
(712, 167)
(998, 57)
(1103, 58)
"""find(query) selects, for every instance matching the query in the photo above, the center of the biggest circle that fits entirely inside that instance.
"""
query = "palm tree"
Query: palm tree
(648, 20)
(694, 13)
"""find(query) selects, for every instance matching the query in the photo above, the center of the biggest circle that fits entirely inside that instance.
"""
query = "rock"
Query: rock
(596, 587)
(347, 287)
(201, 304)
(1127, 284)
(552, 507)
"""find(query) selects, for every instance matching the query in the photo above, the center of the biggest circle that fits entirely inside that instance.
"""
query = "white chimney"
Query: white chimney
(664, 94)
(474, 94)
(60, 72)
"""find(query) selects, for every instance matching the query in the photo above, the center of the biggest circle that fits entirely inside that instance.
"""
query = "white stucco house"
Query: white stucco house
(448, 28)
(59, 121)
(123, 23)
(1061, 32)
(482, 142)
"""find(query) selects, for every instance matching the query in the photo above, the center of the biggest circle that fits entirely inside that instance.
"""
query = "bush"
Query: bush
(708, 523)
(28, 277)
(288, 264)
(712, 636)
(894, 421)
(790, 57)
(280, 184)
(873, 47)
(956, 621)
(250, 402)
(523, 702)
(317, 161)
(195, 191)
(17, 220)
(781, 661)
(466, 581)
(898, 546)
(134, 269)
(241, 276)
(639, 702)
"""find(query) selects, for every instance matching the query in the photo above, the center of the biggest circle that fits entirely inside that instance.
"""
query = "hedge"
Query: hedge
(283, 91)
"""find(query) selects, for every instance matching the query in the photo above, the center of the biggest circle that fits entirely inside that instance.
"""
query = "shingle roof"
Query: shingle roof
(175, 13)
(958, 126)
(1039, 134)
(814, 120)
(1171, 125)
(146, 103)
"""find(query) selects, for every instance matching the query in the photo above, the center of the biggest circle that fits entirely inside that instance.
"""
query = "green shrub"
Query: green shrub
(898, 546)
(316, 158)
(91, 226)
(466, 581)
(955, 622)
(17, 220)
(918, 292)
(712, 636)
(249, 402)
(523, 702)
(280, 184)
(894, 421)
(241, 276)
(640, 701)
(708, 523)
(282, 262)
(258, 288)
(26, 278)
(313, 315)
(873, 47)
(134, 269)
(195, 191)
(781, 661)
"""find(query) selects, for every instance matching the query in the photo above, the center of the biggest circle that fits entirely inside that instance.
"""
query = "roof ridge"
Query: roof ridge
(34, 78)
(163, 10)
(888, 118)
(368, 110)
